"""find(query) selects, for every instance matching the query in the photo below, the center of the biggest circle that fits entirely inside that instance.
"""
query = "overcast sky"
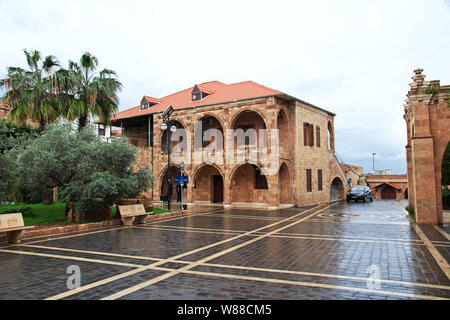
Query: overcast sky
(354, 58)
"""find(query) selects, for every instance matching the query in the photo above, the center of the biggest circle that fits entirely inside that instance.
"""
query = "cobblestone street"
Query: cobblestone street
(338, 251)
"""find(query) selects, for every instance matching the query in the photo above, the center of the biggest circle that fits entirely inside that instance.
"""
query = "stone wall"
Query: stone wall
(427, 116)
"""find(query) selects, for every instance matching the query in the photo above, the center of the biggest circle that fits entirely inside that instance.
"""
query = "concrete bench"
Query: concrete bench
(131, 212)
(12, 224)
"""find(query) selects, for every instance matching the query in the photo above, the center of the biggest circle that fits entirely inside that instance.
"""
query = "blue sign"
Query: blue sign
(181, 179)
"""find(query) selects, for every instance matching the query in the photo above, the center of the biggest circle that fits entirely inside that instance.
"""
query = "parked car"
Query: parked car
(360, 193)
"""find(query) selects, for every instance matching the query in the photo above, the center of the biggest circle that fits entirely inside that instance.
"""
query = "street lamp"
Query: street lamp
(373, 162)
(166, 122)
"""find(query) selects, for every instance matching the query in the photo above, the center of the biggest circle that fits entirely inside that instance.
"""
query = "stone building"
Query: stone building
(227, 138)
(427, 116)
(391, 186)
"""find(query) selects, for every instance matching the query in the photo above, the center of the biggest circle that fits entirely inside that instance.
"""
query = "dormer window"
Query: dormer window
(148, 102)
(197, 94)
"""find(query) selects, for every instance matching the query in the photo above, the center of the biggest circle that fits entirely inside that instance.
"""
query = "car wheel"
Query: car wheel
(371, 198)
(364, 199)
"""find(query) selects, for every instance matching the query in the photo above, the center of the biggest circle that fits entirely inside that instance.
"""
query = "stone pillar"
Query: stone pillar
(423, 170)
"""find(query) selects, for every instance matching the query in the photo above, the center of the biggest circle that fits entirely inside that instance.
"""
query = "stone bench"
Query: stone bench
(129, 213)
(12, 224)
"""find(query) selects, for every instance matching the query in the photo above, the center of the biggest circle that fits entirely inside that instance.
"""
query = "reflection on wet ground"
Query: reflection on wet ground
(343, 251)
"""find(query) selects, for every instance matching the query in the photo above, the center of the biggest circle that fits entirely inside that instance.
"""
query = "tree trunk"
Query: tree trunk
(82, 121)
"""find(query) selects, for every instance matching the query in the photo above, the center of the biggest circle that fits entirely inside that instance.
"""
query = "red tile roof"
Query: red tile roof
(218, 93)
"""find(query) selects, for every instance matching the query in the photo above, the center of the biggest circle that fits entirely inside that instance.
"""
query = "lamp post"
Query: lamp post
(164, 126)
(373, 162)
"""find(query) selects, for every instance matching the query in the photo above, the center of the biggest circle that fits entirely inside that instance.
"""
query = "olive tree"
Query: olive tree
(89, 173)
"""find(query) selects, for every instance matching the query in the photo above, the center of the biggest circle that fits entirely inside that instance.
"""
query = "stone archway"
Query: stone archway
(250, 122)
(173, 144)
(427, 117)
(336, 189)
(248, 185)
(283, 129)
(330, 136)
(174, 171)
(208, 185)
(284, 184)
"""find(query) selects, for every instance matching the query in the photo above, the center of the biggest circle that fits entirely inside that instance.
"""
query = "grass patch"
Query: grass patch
(49, 214)
(411, 212)
(157, 210)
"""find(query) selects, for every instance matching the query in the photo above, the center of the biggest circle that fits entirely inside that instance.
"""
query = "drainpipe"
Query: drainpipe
(292, 160)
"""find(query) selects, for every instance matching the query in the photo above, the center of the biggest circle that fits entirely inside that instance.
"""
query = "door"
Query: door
(217, 189)
(388, 193)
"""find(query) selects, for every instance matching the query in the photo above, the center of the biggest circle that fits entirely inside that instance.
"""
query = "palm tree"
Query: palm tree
(32, 94)
(88, 92)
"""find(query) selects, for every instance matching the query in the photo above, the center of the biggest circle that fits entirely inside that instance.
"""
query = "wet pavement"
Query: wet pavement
(343, 251)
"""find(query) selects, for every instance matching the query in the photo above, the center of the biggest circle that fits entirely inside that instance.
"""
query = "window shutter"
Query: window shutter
(308, 181)
(305, 133)
(318, 135)
(319, 178)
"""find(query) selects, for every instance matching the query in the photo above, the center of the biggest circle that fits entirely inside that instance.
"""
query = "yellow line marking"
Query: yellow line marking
(309, 284)
(301, 273)
(442, 231)
(117, 255)
(172, 259)
(123, 264)
(294, 236)
(436, 255)
(326, 275)
(211, 257)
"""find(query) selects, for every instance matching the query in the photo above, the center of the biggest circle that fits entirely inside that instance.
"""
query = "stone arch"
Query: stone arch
(388, 193)
(284, 184)
(248, 185)
(337, 189)
(248, 120)
(163, 136)
(208, 184)
(174, 171)
(330, 136)
(283, 128)
(210, 121)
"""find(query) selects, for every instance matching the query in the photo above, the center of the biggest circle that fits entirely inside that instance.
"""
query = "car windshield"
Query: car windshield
(358, 189)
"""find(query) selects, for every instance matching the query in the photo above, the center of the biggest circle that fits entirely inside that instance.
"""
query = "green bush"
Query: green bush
(26, 211)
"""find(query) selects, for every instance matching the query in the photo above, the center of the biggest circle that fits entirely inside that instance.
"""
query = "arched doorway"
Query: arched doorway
(249, 185)
(284, 183)
(208, 185)
(174, 171)
(406, 193)
(388, 193)
(283, 129)
(336, 189)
